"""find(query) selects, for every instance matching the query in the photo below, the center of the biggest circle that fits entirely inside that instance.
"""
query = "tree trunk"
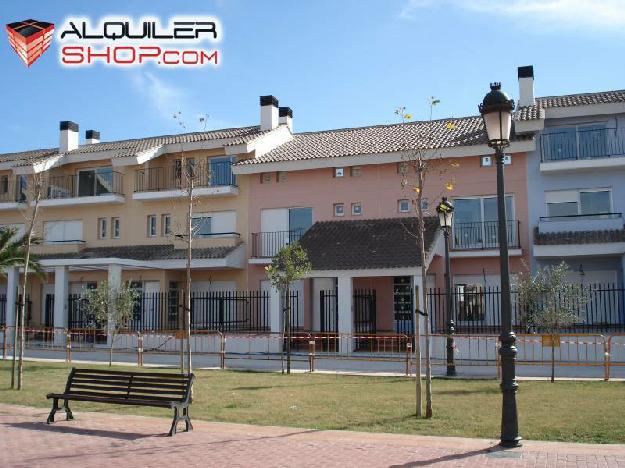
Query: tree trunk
(288, 330)
(553, 358)
(111, 350)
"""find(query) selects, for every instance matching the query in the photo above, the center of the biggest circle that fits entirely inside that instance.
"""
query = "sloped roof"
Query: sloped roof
(376, 139)
(143, 252)
(367, 243)
(578, 237)
(537, 111)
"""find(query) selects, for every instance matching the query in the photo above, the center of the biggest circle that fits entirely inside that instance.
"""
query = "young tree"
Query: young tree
(111, 307)
(550, 303)
(416, 165)
(32, 192)
(290, 264)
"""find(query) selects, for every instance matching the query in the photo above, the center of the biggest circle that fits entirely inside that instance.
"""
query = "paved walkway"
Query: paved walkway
(105, 440)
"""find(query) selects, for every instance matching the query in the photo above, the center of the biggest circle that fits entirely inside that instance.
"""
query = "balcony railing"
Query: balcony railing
(483, 235)
(267, 244)
(582, 144)
(83, 185)
(11, 191)
(582, 222)
(176, 177)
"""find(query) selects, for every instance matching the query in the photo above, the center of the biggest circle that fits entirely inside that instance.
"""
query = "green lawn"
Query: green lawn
(565, 411)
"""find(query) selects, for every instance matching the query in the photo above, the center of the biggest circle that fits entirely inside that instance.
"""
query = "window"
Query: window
(62, 231)
(22, 188)
(166, 225)
(115, 228)
(151, 225)
(93, 182)
(355, 171)
(339, 172)
(356, 209)
(475, 222)
(4, 184)
(221, 171)
(403, 205)
(425, 204)
(578, 202)
(102, 229)
(300, 220)
(339, 209)
(575, 142)
(201, 226)
(189, 172)
(281, 176)
(265, 178)
(402, 167)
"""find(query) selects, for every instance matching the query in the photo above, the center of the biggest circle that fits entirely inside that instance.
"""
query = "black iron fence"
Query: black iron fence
(328, 311)
(267, 244)
(3, 309)
(48, 311)
(583, 143)
(230, 311)
(364, 311)
(483, 235)
(84, 184)
(477, 310)
(176, 176)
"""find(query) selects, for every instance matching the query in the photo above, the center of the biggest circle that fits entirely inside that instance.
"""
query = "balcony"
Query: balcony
(581, 223)
(267, 244)
(92, 187)
(483, 235)
(582, 148)
(11, 198)
(210, 179)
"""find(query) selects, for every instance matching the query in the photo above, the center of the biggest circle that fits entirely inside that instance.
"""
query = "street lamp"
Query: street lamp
(496, 110)
(445, 212)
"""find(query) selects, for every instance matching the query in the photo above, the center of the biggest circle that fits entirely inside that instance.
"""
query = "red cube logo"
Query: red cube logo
(30, 38)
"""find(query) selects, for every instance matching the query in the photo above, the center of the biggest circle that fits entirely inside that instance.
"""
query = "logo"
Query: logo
(30, 39)
(124, 42)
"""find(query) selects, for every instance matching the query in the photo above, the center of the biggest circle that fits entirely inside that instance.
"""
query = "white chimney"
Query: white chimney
(69, 136)
(526, 86)
(286, 117)
(268, 113)
(92, 137)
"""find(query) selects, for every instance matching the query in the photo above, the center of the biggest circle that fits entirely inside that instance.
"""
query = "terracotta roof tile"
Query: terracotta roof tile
(578, 237)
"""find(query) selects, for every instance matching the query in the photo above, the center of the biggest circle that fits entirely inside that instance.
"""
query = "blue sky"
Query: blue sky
(336, 63)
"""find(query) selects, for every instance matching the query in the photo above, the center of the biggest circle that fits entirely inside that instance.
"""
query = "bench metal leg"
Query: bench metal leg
(174, 423)
(55, 408)
(187, 419)
(68, 412)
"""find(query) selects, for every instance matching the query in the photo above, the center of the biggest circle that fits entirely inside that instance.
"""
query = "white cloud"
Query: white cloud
(554, 13)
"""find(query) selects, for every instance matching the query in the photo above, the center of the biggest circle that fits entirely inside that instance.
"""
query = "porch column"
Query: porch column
(275, 311)
(13, 275)
(61, 291)
(115, 281)
(346, 312)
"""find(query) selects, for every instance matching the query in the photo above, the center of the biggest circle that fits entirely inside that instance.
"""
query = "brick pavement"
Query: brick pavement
(105, 440)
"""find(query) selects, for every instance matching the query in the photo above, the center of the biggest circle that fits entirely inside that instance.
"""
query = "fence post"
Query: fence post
(607, 347)
(68, 346)
(311, 355)
(222, 352)
(4, 342)
(408, 358)
(498, 360)
(139, 349)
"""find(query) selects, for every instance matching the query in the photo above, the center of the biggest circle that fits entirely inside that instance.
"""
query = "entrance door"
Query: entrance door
(274, 226)
(47, 305)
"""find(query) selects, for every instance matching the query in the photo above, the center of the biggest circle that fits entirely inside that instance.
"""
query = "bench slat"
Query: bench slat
(138, 374)
(112, 400)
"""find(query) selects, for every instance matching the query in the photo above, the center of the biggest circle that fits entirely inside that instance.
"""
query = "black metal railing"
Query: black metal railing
(3, 309)
(12, 190)
(566, 145)
(267, 244)
(483, 235)
(477, 310)
(365, 320)
(582, 217)
(84, 184)
(177, 177)
(328, 311)
(48, 317)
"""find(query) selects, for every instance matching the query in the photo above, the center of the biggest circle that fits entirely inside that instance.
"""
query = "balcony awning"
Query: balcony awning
(389, 243)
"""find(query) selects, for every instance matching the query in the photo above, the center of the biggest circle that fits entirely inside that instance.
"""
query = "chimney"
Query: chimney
(526, 86)
(268, 113)
(69, 136)
(92, 137)
(286, 117)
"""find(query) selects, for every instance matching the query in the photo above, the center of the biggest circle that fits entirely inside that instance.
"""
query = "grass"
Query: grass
(565, 411)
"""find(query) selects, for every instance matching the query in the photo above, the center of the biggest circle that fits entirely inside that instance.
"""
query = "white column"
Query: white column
(115, 281)
(13, 275)
(275, 310)
(346, 312)
(61, 290)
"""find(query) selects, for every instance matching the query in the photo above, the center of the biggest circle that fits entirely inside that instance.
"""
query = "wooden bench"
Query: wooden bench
(161, 390)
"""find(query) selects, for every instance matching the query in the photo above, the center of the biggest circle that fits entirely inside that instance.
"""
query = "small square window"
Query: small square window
(339, 209)
(281, 176)
(486, 161)
(115, 228)
(355, 171)
(102, 229)
(151, 225)
(166, 225)
(507, 159)
(425, 204)
(402, 167)
(356, 209)
(339, 172)
(265, 178)
(403, 205)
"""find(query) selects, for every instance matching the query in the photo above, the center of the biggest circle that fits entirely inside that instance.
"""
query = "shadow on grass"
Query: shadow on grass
(487, 391)
(41, 426)
(389, 381)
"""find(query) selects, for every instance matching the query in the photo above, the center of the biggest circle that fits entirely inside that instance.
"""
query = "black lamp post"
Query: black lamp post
(496, 110)
(445, 212)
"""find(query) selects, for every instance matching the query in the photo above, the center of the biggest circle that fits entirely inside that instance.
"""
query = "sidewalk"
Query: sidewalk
(103, 440)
